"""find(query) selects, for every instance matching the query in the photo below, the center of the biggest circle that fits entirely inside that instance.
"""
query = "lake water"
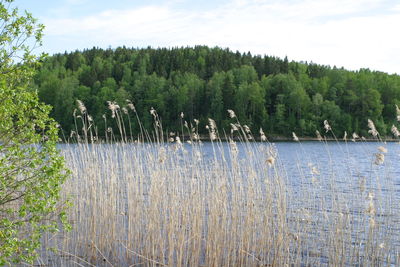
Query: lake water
(333, 192)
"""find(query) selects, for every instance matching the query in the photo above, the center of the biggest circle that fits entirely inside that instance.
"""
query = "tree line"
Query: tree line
(265, 92)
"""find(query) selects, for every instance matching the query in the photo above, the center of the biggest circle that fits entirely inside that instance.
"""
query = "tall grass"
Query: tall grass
(165, 203)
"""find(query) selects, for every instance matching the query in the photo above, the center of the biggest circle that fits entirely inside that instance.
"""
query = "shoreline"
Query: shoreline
(272, 139)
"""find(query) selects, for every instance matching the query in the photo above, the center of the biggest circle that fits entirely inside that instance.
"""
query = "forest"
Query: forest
(277, 95)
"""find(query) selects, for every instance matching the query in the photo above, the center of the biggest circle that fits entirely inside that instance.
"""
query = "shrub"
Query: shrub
(31, 170)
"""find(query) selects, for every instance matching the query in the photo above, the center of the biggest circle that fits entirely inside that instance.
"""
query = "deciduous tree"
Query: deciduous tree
(31, 169)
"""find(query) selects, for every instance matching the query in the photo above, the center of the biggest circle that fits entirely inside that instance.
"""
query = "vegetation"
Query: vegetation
(229, 203)
(202, 82)
(31, 170)
(170, 202)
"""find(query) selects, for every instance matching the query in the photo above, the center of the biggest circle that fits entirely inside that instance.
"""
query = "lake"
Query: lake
(217, 204)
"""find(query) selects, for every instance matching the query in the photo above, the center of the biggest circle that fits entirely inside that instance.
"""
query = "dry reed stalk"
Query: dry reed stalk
(156, 204)
(142, 204)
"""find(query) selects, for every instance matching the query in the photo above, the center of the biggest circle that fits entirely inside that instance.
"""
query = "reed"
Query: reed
(166, 203)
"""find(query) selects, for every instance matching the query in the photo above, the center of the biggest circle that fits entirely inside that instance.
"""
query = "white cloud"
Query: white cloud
(116, 24)
(352, 34)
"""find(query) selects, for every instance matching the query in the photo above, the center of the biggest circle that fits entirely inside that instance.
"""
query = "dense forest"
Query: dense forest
(268, 92)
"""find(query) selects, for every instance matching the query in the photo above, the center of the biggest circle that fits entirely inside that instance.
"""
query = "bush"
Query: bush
(31, 169)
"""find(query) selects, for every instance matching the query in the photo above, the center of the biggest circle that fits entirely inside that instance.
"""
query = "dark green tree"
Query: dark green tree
(204, 82)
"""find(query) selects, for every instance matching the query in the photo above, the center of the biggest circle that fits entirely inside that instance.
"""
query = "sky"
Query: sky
(352, 34)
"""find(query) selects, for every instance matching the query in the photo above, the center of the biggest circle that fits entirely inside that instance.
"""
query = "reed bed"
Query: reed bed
(172, 204)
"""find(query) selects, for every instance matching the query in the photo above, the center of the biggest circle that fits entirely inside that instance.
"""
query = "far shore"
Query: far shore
(206, 138)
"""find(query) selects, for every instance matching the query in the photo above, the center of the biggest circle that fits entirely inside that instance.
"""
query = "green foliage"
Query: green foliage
(31, 170)
(202, 82)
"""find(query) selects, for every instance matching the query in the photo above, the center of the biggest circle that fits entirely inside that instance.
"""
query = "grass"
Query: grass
(168, 204)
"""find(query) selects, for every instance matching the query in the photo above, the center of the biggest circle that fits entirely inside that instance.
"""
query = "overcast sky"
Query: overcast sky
(350, 33)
